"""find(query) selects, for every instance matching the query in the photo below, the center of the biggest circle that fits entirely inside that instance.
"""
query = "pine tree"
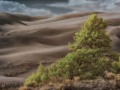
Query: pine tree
(91, 53)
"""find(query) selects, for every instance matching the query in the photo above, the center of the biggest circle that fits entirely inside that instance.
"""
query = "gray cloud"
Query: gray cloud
(15, 7)
(91, 5)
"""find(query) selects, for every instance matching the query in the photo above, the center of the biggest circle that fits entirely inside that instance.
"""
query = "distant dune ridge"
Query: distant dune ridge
(26, 41)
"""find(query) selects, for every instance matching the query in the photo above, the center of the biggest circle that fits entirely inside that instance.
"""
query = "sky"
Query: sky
(38, 7)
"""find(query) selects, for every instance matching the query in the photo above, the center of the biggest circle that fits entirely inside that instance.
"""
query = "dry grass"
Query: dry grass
(110, 75)
(76, 78)
(25, 88)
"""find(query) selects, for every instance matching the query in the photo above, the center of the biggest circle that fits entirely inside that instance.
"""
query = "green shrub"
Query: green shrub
(116, 65)
(39, 76)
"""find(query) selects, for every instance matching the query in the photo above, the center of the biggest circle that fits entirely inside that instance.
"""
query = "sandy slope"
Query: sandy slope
(27, 41)
(9, 79)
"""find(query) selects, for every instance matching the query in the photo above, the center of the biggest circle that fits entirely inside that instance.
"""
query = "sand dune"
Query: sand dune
(9, 79)
(27, 41)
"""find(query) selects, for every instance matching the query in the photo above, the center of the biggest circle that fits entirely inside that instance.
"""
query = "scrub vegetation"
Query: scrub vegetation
(90, 56)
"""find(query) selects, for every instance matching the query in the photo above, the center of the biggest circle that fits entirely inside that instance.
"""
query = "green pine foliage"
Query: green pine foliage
(85, 63)
(90, 56)
(116, 65)
(91, 35)
(39, 76)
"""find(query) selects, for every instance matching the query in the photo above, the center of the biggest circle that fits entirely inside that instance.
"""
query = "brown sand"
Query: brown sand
(27, 41)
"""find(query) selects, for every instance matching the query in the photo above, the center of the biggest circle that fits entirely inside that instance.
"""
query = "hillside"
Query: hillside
(27, 41)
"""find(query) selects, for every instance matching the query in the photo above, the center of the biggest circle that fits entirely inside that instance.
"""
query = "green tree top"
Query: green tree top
(91, 35)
